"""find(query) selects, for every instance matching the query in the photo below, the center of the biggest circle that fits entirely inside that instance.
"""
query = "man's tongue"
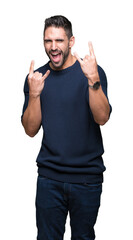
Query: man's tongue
(56, 57)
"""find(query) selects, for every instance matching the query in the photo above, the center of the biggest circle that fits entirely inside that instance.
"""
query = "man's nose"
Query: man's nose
(53, 45)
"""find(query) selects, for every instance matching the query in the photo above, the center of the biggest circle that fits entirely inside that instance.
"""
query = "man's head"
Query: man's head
(58, 41)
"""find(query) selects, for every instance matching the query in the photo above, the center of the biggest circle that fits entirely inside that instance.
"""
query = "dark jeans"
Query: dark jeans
(55, 199)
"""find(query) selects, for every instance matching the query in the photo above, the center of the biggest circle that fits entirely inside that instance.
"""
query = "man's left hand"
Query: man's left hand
(89, 65)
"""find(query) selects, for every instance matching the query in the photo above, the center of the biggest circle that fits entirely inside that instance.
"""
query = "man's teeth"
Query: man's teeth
(55, 54)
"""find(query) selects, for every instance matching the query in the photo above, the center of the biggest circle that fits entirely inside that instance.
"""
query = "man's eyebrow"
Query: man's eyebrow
(47, 39)
(58, 39)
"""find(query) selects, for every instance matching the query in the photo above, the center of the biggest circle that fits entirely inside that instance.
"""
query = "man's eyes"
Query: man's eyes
(49, 41)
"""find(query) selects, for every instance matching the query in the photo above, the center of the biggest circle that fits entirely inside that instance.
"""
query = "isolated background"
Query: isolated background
(108, 24)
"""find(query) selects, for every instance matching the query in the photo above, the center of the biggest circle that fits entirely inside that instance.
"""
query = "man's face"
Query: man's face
(56, 45)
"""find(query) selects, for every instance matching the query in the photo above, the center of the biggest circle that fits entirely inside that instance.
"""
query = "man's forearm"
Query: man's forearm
(99, 106)
(32, 116)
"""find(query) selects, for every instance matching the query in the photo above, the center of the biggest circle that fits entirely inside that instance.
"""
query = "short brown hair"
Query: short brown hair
(59, 21)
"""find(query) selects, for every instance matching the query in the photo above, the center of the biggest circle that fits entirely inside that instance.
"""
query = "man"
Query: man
(68, 98)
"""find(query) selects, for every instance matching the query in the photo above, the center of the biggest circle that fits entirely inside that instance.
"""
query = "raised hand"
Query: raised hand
(36, 81)
(89, 65)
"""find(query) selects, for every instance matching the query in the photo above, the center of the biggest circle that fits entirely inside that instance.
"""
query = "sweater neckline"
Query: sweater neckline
(63, 70)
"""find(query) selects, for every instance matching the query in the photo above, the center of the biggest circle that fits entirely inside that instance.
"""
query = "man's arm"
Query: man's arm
(32, 116)
(98, 102)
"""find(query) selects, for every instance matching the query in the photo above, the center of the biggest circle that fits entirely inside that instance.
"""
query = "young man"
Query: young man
(68, 98)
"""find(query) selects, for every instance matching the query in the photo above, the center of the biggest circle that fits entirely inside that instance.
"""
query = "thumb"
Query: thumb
(46, 75)
(78, 58)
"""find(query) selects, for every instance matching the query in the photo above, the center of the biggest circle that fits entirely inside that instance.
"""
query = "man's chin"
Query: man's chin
(56, 66)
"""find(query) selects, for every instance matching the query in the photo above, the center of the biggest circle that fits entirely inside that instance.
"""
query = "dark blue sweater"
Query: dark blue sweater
(72, 148)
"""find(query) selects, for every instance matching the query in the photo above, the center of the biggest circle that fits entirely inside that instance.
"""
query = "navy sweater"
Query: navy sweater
(72, 147)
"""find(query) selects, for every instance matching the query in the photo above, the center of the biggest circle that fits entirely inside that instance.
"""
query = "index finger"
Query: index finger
(31, 70)
(91, 49)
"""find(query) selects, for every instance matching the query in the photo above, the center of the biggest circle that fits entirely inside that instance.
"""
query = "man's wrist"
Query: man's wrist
(94, 82)
(95, 86)
(34, 95)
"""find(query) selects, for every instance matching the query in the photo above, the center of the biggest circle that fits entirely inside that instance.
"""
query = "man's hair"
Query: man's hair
(59, 21)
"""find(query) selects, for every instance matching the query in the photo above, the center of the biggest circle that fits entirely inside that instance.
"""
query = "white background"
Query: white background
(108, 24)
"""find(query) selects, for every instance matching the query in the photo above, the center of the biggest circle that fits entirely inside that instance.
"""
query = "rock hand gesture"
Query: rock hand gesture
(36, 81)
(89, 65)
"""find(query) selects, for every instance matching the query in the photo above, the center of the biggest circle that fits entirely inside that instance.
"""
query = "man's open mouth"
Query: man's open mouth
(55, 57)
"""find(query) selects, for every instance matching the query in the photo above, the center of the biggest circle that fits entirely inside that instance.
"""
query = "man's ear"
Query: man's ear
(71, 42)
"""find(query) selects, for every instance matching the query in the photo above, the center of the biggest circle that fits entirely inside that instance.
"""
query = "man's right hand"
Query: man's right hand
(36, 81)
